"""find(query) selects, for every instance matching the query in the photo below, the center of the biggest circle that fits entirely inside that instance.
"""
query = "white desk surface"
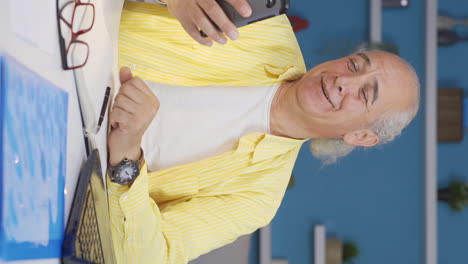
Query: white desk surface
(43, 57)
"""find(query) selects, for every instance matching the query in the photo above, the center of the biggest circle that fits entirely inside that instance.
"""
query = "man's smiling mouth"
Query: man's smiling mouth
(325, 92)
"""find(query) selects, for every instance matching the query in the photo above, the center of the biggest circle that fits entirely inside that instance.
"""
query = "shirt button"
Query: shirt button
(129, 239)
(125, 196)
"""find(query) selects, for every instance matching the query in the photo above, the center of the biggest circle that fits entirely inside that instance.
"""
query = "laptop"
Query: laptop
(88, 236)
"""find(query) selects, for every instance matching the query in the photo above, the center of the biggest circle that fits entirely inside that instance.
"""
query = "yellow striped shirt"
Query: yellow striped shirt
(266, 52)
(175, 215)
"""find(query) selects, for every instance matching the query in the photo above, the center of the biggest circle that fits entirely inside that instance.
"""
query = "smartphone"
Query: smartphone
(261, 9)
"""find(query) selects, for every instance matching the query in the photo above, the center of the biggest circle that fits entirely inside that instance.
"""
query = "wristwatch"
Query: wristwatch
(125, 172)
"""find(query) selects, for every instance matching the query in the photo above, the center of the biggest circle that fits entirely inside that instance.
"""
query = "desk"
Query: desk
(43, 58)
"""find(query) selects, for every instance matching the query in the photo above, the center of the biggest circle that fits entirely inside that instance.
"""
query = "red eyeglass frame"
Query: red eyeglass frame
(64, 49)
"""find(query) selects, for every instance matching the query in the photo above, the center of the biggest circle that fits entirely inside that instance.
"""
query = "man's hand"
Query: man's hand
(196, 15)
(134, 108)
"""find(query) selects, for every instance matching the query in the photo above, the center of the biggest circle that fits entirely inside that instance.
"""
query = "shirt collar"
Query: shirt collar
(269, 146)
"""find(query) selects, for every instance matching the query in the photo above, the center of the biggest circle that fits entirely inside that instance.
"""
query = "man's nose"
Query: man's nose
(348, 84)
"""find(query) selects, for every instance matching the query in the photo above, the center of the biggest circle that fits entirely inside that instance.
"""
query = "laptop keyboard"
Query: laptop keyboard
(88, 242)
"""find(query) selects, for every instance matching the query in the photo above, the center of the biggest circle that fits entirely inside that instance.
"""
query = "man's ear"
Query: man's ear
(361, 137)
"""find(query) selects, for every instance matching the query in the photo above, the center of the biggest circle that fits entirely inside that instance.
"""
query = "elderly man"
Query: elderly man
(193, 168)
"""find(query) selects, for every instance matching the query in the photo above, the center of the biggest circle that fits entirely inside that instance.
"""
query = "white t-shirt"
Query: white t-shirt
(195, 123)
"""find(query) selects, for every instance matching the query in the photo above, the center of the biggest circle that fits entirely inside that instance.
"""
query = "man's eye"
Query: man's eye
(364, 94)
(352, 65)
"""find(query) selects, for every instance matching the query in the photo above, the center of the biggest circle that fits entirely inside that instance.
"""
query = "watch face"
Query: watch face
(126, 172)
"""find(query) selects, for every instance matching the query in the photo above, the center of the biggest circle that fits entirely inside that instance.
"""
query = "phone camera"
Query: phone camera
(270, 3)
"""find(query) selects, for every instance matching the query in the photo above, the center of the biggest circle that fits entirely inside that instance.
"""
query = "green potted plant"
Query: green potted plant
(350, 251)
(338, 252)
(455, 194)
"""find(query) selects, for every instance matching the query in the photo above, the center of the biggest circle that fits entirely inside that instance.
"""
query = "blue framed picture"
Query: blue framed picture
(33, 144)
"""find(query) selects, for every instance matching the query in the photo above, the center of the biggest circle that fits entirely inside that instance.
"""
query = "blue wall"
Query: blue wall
(453, 158)
(374, 197)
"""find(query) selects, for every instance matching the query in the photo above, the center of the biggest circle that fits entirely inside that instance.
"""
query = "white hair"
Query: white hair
(387, 127)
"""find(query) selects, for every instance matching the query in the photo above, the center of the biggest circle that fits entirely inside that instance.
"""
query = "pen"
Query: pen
(103, 108)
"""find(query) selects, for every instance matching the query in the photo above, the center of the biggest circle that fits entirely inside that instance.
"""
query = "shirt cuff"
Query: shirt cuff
(131, 199)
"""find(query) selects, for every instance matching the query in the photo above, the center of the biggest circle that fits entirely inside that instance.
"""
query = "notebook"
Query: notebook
(33, 155)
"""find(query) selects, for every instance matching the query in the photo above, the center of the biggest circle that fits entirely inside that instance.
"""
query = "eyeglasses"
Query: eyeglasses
(74, 19)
